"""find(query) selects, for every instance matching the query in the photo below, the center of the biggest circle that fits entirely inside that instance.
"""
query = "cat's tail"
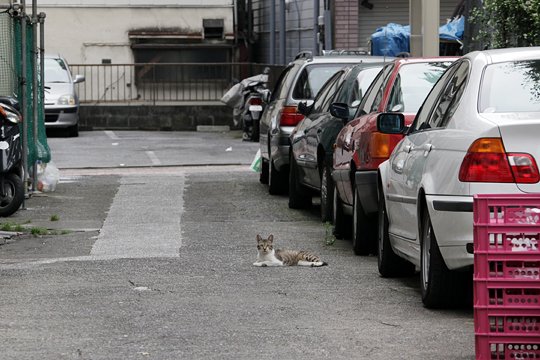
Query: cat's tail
(319, 264)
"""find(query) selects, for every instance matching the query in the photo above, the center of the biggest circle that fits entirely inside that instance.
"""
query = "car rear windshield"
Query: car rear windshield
(512, 86)
(312, 78)
(413, 83)
(55, 71)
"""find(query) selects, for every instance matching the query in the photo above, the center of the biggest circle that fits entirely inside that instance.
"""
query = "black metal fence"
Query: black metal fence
(166, 84)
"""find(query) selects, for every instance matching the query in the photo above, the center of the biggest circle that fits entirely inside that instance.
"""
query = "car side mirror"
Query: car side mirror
(391, 123)
(340, 110)
(303, 108)
(79, 79)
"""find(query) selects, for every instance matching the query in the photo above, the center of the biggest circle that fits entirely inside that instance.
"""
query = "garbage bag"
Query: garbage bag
(48, 177)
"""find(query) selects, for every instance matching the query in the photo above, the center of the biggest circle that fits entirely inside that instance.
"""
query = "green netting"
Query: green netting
(11, 40)
(8, 75)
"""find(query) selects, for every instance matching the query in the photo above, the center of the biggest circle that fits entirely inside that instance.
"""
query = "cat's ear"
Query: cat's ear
(259, 238)
(271, 238)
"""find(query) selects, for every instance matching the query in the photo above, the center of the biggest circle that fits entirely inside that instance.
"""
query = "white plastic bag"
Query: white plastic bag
(48, 177)
(256, 163)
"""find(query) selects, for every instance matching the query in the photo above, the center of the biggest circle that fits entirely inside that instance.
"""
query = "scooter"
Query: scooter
(11, 169)
(248, 99)
(255, 95)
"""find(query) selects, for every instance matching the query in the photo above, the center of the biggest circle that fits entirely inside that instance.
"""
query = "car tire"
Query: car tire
(73, 131)
(299, 197)
(440, 287)
(389, 264)
(362, 228)
(263, 177)
(327, 194)
(276, 180)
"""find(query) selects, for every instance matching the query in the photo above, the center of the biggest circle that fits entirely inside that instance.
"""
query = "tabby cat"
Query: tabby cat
(267, 256)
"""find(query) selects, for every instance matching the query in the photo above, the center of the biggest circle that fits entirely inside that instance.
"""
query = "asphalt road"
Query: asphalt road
(156, 263)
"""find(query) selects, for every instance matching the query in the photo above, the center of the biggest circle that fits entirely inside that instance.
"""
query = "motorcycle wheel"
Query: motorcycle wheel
(12, 195)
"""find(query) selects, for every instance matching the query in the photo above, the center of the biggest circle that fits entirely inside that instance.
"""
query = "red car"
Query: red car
(401, 86)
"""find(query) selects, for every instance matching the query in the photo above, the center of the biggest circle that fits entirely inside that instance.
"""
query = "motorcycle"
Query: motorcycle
(248, 99)
(11, 169)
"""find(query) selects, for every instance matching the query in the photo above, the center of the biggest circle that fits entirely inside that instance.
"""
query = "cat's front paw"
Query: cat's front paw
(260, 264)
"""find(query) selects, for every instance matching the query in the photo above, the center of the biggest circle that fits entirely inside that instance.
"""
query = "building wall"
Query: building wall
(299, 20)
(87, 31)
(346, 24)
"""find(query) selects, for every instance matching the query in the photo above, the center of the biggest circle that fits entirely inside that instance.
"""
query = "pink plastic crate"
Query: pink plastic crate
(505, 239)
(497, 294)
(506, 209)
(516, 322)
(519, 268)
(507, 347)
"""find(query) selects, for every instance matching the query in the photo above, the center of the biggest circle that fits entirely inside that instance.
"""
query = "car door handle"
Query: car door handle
(427, 149)
(407, 148)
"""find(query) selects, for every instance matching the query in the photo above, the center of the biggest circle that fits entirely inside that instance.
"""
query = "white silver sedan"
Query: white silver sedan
(478, 131)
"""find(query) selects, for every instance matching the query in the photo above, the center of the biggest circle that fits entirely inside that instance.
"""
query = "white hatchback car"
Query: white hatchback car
(478, 131)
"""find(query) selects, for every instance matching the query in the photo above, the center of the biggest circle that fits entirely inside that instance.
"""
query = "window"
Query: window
(312, 78)
(421, 120)
(327, 93)
(450, 97)
(413, 82)
(374, 94)
(512, 86)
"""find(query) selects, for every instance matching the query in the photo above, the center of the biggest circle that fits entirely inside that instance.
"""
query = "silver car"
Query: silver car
(299, 82)
(476, 133)
(61, 100)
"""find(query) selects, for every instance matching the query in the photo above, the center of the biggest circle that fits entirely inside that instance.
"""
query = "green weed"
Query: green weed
(55, 217)
(329, 237)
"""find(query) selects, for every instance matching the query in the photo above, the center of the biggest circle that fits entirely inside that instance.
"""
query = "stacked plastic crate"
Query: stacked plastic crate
(507, 276)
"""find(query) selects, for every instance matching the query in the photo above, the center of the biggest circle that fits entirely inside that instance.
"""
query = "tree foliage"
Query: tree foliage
(508, 23)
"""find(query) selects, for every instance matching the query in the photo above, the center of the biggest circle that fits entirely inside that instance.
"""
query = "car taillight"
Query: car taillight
(289, 116)
(255, 101)
(381, 145)
(487, 161)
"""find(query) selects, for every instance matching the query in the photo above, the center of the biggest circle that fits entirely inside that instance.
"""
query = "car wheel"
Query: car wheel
(263, 177)
(276, 180)
(362, 228)
(327, 194)
(299, 197)
(73, 131)
(440, 287)
(389, 264)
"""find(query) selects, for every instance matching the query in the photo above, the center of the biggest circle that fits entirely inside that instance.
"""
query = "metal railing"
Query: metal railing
(163, 84)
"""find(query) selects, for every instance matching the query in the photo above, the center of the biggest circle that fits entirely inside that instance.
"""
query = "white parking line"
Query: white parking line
(152, 156)
(111, 134)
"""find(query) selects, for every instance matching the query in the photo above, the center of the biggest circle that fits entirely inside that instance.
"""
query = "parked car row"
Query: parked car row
(396, 149)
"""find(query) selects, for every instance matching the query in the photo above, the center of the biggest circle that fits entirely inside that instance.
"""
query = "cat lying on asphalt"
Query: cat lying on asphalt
(267, 256)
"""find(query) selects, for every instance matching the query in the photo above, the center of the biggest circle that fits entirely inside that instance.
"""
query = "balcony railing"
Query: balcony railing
(163, 84)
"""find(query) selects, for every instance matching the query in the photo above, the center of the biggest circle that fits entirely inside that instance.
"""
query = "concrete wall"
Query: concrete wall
(87, 31)
(178, 118)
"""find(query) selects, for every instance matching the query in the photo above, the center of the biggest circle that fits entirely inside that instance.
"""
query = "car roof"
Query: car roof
(411, 60)
(508, 54)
